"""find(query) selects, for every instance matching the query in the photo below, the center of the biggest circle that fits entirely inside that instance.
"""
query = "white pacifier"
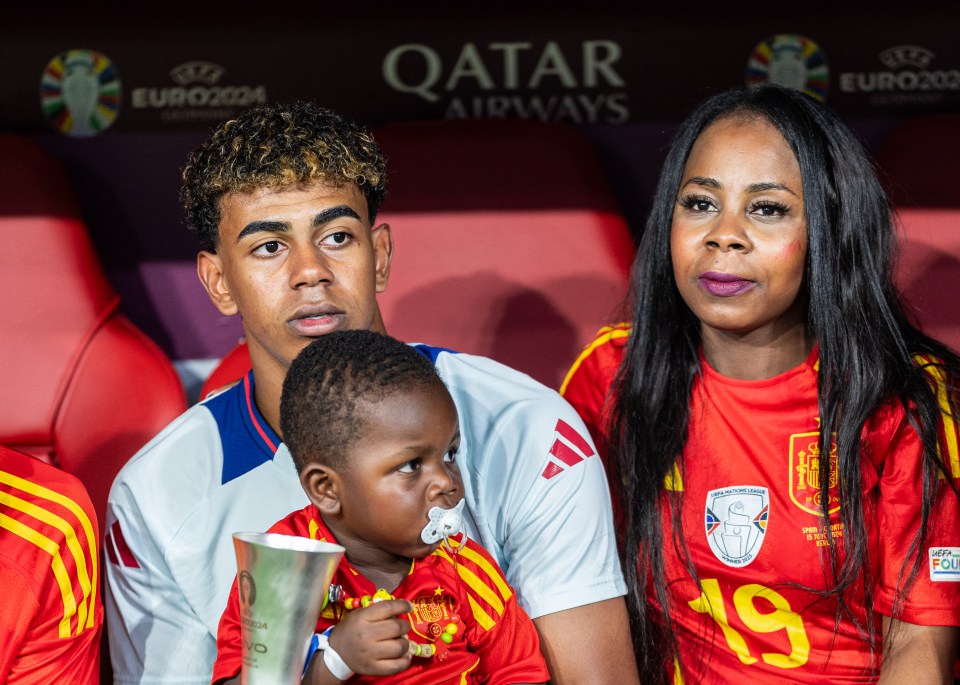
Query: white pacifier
(444, 523)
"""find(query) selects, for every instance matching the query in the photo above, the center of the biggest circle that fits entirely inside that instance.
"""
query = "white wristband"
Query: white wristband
(335, 664)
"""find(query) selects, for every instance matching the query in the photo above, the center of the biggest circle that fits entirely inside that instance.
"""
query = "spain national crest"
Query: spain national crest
(736, 521)
(806, 467)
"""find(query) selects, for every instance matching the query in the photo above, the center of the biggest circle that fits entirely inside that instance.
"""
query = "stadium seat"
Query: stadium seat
(917, 158)
(508, 243)
(228, 371)
(916, 161)
(80, 386)
(928, 272)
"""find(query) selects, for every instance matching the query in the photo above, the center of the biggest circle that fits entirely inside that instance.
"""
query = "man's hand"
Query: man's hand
(371, 640)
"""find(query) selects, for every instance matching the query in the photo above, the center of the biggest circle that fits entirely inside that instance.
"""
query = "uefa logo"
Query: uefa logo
(792, 61)
(80, 93)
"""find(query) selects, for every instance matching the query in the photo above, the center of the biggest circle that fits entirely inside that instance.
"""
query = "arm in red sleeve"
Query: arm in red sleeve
(589, 380)
(17, 609)
(229, 640)
(500, 632)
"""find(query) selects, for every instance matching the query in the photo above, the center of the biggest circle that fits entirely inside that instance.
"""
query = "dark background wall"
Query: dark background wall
(622, 74)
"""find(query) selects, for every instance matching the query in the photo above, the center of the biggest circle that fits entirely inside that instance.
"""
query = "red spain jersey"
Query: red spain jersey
(749, 492)
(495, 641)
(50, 612)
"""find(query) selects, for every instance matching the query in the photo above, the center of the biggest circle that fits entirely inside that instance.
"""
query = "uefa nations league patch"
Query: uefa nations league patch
(736, 521)
(945, 564)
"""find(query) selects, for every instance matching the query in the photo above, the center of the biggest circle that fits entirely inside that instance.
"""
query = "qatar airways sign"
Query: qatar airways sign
(578, 83)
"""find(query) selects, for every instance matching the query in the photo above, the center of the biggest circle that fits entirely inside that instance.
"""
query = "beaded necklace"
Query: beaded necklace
(336, 595)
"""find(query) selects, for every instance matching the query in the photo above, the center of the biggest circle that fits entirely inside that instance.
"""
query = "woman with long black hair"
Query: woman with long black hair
(780, 437)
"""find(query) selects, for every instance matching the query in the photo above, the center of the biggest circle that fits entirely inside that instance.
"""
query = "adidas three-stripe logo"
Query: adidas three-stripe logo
(569, 449)
(118, 552)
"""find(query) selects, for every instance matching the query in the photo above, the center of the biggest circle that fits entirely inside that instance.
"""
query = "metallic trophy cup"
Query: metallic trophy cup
(282, 581)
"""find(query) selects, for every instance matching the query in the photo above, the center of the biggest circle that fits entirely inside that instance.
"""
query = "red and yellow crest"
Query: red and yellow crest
(806, 468)
(431, 613)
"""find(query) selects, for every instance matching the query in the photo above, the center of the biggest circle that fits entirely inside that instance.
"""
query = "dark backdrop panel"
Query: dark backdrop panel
(624, 75)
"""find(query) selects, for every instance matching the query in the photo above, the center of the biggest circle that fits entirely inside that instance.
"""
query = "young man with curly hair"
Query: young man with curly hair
(284, 199)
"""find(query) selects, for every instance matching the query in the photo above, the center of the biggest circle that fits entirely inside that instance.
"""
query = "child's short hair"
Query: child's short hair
(322, 405)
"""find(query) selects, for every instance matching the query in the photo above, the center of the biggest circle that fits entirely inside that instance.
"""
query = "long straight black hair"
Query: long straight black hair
(866, 350)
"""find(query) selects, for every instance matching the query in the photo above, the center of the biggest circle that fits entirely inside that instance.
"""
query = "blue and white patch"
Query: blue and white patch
(736, 520)
(944, 564)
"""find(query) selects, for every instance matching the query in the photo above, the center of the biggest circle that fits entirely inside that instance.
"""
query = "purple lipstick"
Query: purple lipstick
(724, 285)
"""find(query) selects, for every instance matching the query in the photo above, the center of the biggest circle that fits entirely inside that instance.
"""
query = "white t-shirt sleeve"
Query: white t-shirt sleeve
(155, 637)
(560, 546)
(546, 495)
(155, 634)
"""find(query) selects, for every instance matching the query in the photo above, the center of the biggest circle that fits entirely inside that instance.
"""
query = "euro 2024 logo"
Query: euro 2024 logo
(80, 93)
(790, 60)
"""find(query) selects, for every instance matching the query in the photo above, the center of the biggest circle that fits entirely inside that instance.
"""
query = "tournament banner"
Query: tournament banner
(614, 68)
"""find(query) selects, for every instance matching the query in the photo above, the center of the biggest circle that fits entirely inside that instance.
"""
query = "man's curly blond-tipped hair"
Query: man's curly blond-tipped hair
(276, 146)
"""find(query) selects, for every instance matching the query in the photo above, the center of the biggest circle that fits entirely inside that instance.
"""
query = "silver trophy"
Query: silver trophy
(282, 581)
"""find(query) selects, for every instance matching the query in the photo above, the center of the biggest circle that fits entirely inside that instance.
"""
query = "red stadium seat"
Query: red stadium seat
(928, 272)
(508, 243)
(228, 371)
(80, 386)
(917, 160)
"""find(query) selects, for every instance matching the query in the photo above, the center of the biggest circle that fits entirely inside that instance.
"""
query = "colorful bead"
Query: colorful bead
(417, 649)
(336, 595)
(451, 628)
(422, 650)
(446, 637)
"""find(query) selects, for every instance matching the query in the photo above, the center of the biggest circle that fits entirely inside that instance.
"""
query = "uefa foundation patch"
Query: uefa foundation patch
(945, 564)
